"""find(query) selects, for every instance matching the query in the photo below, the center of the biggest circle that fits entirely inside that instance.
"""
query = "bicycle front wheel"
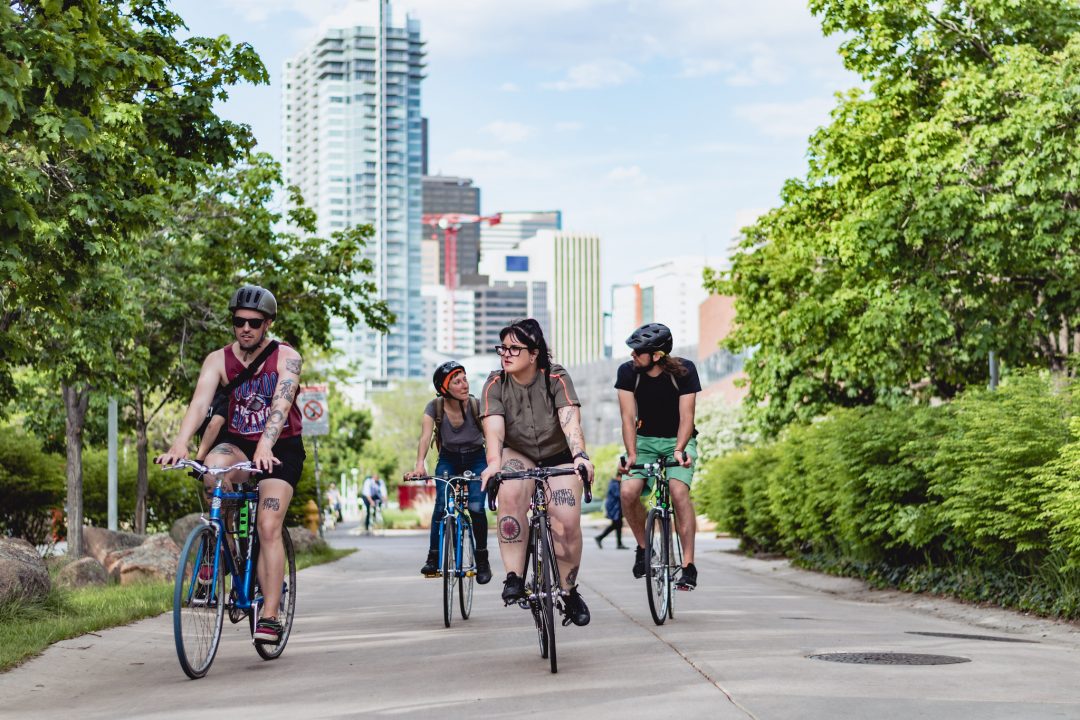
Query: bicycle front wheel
(468, 569)
(287, 606)
(532, 569)
(548, 588)
(199, 602)
(449, 567)
(675, 565)
(657, 570)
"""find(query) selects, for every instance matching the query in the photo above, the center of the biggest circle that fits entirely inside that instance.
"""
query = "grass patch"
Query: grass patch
(27, 628)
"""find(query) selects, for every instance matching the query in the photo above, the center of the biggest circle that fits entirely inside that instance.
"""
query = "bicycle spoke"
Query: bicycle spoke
(198, 602)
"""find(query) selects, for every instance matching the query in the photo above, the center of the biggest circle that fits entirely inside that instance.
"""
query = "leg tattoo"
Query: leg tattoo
(271, 503)
(563, 497)
(509, 530)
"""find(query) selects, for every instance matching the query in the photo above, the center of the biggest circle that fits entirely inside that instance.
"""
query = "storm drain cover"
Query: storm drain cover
(961, 636)
(890, 658)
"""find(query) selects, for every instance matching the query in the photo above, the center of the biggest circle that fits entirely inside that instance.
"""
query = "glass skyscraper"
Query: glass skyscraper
(353, 145)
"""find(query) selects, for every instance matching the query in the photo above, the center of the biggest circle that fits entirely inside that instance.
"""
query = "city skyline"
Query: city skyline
(648, 126)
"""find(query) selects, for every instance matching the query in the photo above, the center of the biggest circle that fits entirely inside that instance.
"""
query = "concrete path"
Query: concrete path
(369, 642)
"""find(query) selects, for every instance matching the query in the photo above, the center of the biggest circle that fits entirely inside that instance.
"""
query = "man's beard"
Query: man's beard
(249, 348)
(640, 370)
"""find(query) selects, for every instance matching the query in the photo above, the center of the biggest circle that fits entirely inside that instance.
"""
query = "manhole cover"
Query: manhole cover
(889, 658)
(961, 636)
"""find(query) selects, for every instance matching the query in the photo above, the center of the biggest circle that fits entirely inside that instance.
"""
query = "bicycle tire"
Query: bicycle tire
(548, 589)
(198, 609)
(468, 569)
(657, 575)
(449, 568)
(287, 606)
(533, 585)
(676, 561)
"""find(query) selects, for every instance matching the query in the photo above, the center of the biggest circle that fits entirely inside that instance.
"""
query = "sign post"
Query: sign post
(314, 408)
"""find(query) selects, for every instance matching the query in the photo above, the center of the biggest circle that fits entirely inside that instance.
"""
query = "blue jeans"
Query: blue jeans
(457, 463)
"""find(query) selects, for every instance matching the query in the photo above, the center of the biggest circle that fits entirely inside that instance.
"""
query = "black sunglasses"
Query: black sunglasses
(254, 323)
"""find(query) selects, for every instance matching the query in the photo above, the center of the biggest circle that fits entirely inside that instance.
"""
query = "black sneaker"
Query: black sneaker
(431, 566)
(639, 562)
(268, 631)
(599, 542)
(575, 609)
(513, 588)
(687, 578)
(483, 567)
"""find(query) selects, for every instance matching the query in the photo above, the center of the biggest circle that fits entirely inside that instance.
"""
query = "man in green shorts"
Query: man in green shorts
(657, 396)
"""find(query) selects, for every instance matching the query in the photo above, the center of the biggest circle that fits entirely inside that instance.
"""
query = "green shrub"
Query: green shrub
(32, 484)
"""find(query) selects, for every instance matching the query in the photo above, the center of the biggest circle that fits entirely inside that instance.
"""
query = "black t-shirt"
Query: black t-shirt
(658, 397)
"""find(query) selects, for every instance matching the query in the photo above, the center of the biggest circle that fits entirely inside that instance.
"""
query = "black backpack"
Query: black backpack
(474, 405)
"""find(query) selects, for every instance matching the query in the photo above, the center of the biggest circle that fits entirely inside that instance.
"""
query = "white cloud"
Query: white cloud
(701, 67)
(747, 216)
(763, 69)
(597, 74)
(504, 131)
(568, 126)
(787, 119)
(627, 174)
(509, 87)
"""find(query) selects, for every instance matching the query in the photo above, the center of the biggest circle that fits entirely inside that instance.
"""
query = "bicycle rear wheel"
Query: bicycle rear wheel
(548, 588)
(468, 569)
(449, 567)
(287, 606)
(199, 602)
(657, 572)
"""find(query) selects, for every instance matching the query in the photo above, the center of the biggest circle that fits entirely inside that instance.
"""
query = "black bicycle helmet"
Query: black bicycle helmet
(651, 337)
(253, 297)
(443, 373)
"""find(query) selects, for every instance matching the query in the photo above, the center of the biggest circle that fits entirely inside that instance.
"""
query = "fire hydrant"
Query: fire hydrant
(311, 516)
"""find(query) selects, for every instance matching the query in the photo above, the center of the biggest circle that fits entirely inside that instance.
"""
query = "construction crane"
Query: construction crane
(450, 224)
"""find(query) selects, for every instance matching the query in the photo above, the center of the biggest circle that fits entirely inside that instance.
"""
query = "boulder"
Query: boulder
(82, 572)
(154, 560)
(99, 542)
(112, 562)
(182, 527)
(304, 540)
(22, 571)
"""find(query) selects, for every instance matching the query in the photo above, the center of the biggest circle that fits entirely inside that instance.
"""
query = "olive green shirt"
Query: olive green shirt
(532, 426)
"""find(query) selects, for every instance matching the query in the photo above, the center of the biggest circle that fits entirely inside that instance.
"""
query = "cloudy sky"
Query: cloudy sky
(661, 125)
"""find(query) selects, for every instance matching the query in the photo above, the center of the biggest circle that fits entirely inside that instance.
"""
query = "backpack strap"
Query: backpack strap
(474, 404)
(435, 440)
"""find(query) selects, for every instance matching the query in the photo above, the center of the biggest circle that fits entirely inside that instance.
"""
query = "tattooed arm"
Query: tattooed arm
(494, 437)
(288, 385)
(570, 420)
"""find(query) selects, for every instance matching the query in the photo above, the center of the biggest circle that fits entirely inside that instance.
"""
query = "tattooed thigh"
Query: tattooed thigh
(271, 503)
(225, 449)
(564, 496)
(513, 465)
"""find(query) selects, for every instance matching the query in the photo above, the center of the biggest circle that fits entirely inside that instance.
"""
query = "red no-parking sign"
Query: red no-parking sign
(313, 406)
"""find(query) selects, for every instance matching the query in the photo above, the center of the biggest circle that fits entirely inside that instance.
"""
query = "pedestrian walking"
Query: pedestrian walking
(613, 510)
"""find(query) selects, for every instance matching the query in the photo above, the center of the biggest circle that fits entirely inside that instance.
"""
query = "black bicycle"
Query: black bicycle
(543, 586)
(662, 541)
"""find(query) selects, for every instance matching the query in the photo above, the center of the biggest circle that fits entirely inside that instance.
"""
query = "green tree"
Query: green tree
(938, 219)
(105, 118)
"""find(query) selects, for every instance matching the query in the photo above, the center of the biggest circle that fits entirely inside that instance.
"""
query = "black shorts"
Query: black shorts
(290, 451)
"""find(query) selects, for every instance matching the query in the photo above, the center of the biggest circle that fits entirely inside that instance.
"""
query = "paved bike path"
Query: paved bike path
(369, 641)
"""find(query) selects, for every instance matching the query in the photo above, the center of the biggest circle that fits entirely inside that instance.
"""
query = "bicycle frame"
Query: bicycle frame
(454, 504)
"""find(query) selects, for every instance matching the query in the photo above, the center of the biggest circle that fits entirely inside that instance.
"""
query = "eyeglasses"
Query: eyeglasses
(511, 350)
(253, 323)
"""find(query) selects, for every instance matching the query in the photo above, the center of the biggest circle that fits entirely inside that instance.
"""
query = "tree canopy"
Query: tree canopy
(937, 221)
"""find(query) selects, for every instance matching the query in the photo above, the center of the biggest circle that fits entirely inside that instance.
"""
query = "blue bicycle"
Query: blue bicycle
(457, 546)
(216, 573)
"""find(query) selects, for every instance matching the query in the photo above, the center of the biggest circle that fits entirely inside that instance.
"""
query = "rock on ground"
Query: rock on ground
(99, 542)
(154, 560)
(22, 571)
(182, 527)
(304, 540)
(82, 572)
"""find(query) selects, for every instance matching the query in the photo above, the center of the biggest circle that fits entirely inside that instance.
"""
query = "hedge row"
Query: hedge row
(979, 498)
(33, 485)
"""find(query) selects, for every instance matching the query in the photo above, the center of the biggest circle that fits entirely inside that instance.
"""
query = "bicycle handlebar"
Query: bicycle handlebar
(665, 462)
(198, 467)
(541, 473)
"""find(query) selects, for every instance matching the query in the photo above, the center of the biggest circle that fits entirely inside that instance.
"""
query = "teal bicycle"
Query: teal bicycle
(216, 573)
(662, 540)
(457, 546)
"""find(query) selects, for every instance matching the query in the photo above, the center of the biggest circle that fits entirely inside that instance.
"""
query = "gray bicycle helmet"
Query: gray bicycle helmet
(253, 297)
(651, 337)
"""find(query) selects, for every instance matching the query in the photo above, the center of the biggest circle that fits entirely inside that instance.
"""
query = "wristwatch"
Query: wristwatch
(582, 455)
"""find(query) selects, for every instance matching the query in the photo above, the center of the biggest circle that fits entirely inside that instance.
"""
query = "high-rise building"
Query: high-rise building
(353, 136)
(448, 194)
(669, 292)
(513, 228)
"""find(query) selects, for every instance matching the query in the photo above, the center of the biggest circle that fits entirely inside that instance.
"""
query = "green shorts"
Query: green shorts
(650, 448)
